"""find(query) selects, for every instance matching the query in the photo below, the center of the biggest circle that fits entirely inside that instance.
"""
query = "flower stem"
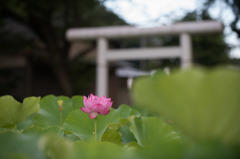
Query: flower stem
(95, 130)
(60, 109)
(61, 123)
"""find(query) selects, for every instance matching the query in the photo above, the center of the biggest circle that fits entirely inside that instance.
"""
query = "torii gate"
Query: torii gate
(104, 54)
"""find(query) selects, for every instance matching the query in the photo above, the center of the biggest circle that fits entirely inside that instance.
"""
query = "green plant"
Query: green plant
(197, 118)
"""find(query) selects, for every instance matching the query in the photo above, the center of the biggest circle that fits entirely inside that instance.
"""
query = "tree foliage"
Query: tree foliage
(208, 49)
(37, 29)
(234, 5)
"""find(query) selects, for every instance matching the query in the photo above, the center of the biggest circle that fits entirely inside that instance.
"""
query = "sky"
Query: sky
(147, 13)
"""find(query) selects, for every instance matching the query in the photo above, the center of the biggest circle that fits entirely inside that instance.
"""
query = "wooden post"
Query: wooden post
(102, 68)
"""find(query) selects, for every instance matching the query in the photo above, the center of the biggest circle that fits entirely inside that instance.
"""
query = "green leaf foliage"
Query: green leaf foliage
(55, 147)
(204, 104)
(31, 145)
(151, 130)
(99, 150)
(13, 112)
(112, 136)
(30, 106)
(19, 146)
(49, 114)
(123, 133)
(127, 135)
(126, 111)
(81, 125)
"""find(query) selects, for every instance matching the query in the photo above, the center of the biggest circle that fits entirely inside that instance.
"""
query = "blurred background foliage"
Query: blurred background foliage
(36, 31)
(208, 49)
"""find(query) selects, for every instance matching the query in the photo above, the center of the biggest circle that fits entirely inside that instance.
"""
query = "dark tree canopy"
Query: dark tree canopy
(37, 28)
(208, 49)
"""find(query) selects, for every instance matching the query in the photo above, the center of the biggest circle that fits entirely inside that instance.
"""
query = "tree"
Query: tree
(208, 49)
(234, 5)
(46, 21)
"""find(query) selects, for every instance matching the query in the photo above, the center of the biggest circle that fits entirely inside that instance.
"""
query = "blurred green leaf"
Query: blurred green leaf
(13, 112)
(30, 106)
(125, 111)
(203, 104)
(25, 124)
(212, 150)
(40, 130)
(9, 107)
(151, 130)
(112, 136)
(127, 135)
(49, 114)
(100, 150)
(15, 146)
(132, 145)
(81, 125)
(56, 147)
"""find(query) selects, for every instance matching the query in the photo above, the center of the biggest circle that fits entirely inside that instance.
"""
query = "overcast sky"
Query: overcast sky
(159, 12)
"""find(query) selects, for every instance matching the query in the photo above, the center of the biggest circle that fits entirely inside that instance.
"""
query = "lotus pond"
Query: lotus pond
(190, 114)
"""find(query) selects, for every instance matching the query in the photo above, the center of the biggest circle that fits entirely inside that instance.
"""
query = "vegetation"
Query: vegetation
(234, 6)
(208, 49)
(37, 29)
(196, 116)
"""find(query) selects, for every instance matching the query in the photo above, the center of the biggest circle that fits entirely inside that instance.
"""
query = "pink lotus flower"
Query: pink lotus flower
(95, 105)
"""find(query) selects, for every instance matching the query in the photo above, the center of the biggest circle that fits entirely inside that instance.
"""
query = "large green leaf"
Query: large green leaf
(127, 135)
(112, 136)
(26, 123)
(125, 111)
(49, 114)
(152, 130)
(9, 107)
(100, 150)
(12, 111)
(55, 147)
(81, 125)
(18, 146)
(30, 106)
(204, 104)
(15, 145)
